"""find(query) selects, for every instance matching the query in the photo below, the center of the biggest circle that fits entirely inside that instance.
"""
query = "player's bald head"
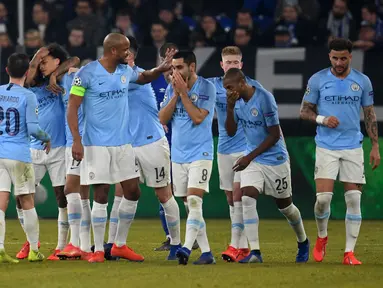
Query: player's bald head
(115, 40)
(234, 74)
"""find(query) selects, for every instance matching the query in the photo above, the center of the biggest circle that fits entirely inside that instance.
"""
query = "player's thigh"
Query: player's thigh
(225, 168)
(326, 163)
(56, 166)
(123, 163)
(72, 166)
(278, 180)
(39, 158)
(252, 179)
(180, 179)
(95, 166)
(154, 160)
(5, 176)
(23, 177)
(351, 168)
(199, 173)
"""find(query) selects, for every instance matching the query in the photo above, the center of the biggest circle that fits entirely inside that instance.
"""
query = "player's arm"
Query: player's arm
(75, 99)
(310, 99)
(34, 66)
(59, 73)
(371, 122)
(151, 75)
(33, 126)
(167, 106)
(231, 123)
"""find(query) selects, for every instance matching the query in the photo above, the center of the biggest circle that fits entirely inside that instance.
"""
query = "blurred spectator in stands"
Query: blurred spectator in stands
(5, 42)
(261, 7)
(6, 25)
(379, 5)
(282, 37)
(178, 30)
(367, 36)
(339, 23)
(50, 30)
(299, 27)
(197, 40)
(370, 15)
(32, 41)
(245, 19)
(242, 37)
(102, 9)
(310, 9)
(93, 26)
(77, 46)
(124, 25)
(158, 35)
(211, 31)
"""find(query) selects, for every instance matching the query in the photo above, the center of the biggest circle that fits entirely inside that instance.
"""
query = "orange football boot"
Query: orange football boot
(230, 255)
(53, 256)
(349, 259)
(319, 250)
(70, 252)
(242, 253)
(97, 257)
(126, 253)
(86, 255)
(24, 251)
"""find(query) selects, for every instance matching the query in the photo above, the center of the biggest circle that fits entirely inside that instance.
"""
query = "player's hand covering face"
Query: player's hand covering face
(179, 84)
(166, 65)
(231, 96)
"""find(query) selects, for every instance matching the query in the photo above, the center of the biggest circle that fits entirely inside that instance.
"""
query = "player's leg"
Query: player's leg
(125, 171)
(74, 207)
(5, 190)
(85, 235)
(113, 219)
(95, 171)
(198, 173)
(326, 171)
(57, 172)
(39, 168)
(252, 183)
(154, 160)
(23, 179)
(351, 173)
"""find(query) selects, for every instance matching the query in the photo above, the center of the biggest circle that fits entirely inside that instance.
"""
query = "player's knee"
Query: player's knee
(323, 201)
(26, 201)
(118, 191)
(229, 197)
(164, 194)
(131, 189)
(250, 191)
(60, 196)
(84, 192)
(72, 185)
(284, 203)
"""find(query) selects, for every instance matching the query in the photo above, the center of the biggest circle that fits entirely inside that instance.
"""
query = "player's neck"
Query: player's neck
(17, 81)
(109, 64)
(249, 93)
(192, 80)
(342, 76)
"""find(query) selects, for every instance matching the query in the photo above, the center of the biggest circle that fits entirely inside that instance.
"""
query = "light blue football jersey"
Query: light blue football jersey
(105, 105)
(51, 116)
(192, 142)
(255, 116)
(343, 99)
(144, 125)
(66, 83)
(227, 144)
(18, 108)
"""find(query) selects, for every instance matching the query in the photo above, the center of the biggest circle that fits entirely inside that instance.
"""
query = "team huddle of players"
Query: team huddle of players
(115, 134)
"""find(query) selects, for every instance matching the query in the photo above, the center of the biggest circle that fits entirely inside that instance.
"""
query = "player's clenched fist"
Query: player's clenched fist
(331, 122)
(77, 151)
(232, 97)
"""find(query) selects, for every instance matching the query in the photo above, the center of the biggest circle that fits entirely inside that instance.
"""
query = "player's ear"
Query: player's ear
(6, 69)
(240, 65)
(192, 67)
(221, 63)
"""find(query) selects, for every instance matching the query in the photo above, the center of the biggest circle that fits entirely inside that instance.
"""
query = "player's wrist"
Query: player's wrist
(320, 119)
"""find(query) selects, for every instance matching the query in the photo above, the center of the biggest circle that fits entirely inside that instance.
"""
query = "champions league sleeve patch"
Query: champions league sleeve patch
(307, 92)
(77, 81)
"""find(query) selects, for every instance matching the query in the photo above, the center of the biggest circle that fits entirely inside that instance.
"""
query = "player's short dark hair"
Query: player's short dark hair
(340, 44)
(371, 7)
(133, 45)
(58, 52)
(165, 47)
(17, 65)
(187, 55)
(234, 73)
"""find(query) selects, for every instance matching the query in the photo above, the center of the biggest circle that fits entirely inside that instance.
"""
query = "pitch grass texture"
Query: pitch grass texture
(278, 247)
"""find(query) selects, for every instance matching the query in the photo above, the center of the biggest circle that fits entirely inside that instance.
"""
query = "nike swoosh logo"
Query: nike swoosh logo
(71, 168)
(101, 83)
(201, 182)
(326, 87)
(158, 181)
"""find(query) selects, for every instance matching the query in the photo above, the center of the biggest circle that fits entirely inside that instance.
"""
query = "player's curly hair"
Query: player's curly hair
(340, 44)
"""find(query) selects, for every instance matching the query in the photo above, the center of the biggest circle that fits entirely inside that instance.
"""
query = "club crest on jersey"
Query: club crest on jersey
(77, 81)
(194, 97)
(355, 87)
(254, 112)
(123, 79)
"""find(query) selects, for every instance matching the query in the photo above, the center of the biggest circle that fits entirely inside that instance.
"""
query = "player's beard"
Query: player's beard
(343, 72)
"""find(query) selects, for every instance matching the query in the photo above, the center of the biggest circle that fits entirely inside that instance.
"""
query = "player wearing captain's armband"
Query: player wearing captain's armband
(230, 149)
(18, 106)
(266, 166)
(333, 99)
(189, 106)
(105, 147)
